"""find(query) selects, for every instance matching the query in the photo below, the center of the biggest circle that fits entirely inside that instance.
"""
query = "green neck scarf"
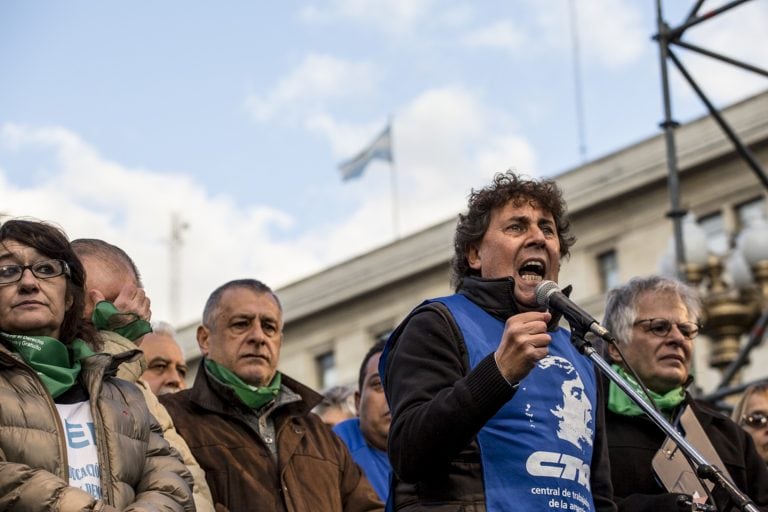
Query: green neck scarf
(620, 403)
(106, 317)
(57, 364)
(252, 396)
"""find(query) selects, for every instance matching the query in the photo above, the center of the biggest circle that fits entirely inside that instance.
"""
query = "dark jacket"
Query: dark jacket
(439, 405)
(313, 471)
(634, 440)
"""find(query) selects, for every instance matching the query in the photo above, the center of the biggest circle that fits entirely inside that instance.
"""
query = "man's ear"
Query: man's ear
(473, 257)
(357, 402)
(613, 353)
(203, 335)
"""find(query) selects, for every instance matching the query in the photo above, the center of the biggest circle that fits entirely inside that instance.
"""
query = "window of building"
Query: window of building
(326, 369)
(608, 268)
(723, 227)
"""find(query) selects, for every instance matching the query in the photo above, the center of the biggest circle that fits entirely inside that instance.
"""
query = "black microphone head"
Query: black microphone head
(543, 290)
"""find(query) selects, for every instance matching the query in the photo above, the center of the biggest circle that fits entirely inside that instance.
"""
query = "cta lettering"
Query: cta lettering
(558, 465)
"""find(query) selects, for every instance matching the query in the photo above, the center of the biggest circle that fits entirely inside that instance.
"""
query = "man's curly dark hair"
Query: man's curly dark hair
(507, 186)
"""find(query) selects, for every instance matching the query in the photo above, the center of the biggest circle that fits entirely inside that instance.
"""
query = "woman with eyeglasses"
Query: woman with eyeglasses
(72, 437)
(752, 414)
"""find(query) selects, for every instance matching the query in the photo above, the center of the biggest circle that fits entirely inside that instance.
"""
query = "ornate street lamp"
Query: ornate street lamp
(734, 286)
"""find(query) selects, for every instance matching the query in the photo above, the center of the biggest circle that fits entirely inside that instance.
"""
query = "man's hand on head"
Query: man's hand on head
(133, 299)
(128, 315)
(524, 343)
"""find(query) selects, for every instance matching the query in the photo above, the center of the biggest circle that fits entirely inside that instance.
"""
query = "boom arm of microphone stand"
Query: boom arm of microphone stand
(703, 468)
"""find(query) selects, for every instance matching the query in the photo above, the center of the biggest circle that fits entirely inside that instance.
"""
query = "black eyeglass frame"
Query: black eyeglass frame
(660, 330)
(33, 268)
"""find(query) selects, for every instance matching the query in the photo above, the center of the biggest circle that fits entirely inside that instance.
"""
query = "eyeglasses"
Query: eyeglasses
(661, 327)
(755, 420)
(42, 270)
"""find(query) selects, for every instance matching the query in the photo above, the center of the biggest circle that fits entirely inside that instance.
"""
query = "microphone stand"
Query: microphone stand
(703, 468)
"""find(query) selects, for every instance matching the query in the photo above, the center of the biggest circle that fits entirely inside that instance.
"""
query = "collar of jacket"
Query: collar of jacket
(497, 297)
(211, 395)
(116, 344)
(112, 362)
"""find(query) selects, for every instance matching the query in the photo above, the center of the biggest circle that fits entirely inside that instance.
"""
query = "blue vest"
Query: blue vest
(537, 450)
(375, 463)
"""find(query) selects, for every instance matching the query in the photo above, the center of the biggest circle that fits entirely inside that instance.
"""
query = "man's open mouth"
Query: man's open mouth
(532, 270)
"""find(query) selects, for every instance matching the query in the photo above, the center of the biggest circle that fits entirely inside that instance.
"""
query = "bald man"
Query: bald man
(119, 308)
(111, 275)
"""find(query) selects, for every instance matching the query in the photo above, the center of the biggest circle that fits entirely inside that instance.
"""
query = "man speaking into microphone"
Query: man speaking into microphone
(493, 409)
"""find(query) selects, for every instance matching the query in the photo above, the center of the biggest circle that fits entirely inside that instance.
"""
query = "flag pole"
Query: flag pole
(393, 186)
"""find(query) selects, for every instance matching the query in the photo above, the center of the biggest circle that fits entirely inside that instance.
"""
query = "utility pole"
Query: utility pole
(175, 245)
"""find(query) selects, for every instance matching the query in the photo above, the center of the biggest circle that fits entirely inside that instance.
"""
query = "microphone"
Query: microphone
(549, 295)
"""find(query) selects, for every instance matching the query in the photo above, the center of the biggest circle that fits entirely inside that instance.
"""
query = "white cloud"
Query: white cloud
(453, 142)
(501, 34)
(317, 80)
(446, 140)
(739, 33)
(90, 196)
(611, 32)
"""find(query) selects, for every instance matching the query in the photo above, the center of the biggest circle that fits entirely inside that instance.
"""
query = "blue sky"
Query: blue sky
(234, 116)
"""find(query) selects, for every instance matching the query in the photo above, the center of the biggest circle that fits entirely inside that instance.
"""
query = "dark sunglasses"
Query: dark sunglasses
(755, 420)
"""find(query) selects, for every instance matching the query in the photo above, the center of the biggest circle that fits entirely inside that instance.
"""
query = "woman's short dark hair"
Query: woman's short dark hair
(53, 243)
(507, 186)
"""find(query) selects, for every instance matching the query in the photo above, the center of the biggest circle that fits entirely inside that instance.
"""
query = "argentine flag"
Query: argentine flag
(380, 148)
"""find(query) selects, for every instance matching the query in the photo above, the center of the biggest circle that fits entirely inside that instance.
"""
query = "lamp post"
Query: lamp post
(754, 246)
(734, 286)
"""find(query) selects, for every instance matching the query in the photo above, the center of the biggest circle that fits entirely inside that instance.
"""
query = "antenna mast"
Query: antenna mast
(175, 245)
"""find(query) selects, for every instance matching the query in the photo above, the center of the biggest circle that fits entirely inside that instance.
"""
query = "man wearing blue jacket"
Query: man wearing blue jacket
(366, 435)
(493, 409)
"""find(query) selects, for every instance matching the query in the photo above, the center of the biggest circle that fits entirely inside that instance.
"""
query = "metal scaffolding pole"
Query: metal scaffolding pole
(666, 37)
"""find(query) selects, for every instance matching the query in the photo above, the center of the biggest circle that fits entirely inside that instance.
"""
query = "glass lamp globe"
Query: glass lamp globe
(753, 241)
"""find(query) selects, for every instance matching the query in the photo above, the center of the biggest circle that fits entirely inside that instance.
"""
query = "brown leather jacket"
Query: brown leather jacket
(138, 469)
(313, 471)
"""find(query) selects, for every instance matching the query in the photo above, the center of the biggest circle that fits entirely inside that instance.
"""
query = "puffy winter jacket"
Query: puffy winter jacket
(138, 469)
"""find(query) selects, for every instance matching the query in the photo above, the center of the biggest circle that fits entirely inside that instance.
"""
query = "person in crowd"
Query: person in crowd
(492, 406)
(250, 426)
(166, 364)
(751, 412)
(115, 300)
(73, 437)
(338, 405)
(117, 305)
(656, 321)
(366, 435)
